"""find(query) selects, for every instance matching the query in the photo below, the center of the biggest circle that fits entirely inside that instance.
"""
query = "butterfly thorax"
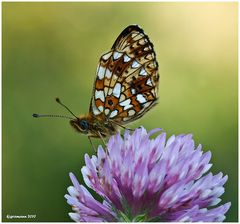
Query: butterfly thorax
(94, 126)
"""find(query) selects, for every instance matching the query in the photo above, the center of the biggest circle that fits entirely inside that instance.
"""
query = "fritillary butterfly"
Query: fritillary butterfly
(125, 88)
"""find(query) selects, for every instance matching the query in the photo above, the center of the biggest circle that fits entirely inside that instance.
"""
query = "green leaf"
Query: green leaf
(140, 218)
(123, 217)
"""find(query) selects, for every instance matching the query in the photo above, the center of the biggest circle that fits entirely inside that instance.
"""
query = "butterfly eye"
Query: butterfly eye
(84, 125)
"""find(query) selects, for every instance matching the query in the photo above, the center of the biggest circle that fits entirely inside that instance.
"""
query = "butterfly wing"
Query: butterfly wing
(127, 79)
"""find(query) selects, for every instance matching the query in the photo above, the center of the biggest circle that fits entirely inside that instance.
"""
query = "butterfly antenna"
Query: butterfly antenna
(51, 115)
(58, 101)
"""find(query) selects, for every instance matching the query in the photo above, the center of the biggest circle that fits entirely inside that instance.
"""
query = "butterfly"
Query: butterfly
(125, 87)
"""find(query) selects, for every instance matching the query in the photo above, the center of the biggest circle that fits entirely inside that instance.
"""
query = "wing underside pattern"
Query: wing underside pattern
(127, 79)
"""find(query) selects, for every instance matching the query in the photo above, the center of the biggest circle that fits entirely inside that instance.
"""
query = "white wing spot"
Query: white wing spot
(116, 55)
(122, 97)
(106, 90)
(126, 104)
(108, 73)
(107, 56)
(114, 113)
(135, 64)
(143, 72)
(149, 57)
(141, 98)
(133, 91)
(149, 82)
(117, 90)
(95, 110)
(110, 91)
(100, 72)
(146, 48)
(99, 95)
(100, 108)
(131, 112)
(126, 58)
(106, 111)
(142, 42)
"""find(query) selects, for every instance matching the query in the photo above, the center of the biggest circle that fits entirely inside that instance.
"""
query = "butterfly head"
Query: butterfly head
(81, 125)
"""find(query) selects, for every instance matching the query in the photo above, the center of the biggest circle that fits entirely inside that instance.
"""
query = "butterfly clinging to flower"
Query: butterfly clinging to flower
(125, 88)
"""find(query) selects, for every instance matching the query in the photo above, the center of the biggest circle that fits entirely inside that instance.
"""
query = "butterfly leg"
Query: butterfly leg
(99, 134)
(122, 126)
(93, 147)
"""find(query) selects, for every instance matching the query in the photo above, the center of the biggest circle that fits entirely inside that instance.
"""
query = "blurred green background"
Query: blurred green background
(52, 49)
